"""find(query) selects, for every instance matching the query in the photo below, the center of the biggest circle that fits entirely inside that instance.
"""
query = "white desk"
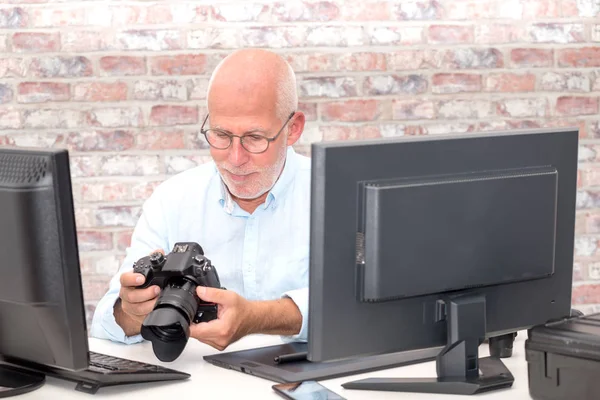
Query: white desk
(211, 382)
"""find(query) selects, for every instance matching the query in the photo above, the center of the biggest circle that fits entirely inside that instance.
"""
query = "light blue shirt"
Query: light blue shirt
(261, 256)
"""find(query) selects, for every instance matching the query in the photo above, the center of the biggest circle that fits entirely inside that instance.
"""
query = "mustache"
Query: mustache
(236, 171)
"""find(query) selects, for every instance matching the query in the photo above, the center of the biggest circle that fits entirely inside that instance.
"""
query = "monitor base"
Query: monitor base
(15, 381)
(493, 375)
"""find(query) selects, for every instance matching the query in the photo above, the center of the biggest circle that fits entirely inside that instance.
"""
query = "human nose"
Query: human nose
(237, 154)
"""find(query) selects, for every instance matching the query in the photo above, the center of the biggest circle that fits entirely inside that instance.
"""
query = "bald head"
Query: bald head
(253, 78)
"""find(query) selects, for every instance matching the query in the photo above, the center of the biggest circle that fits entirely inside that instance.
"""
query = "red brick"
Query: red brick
(53, 118)
(366, 11)
(565, 82)
(275, 37)
(241, 12)
(413, 109)
(100, 91)
(164, 115)
(3, 43)
(6, 93)
(468, 109)
(571, 105)
(473, 58)
(10, 119)
(162, 90)
(160, 140)
(449, 34)
(584, 57)
(541, 8)
(146, 15)
(46, 17)
(123, 239)
(592, 223)
(469, 10)
(94, 240)
(15, 17)
(122, 65)
(126, 165)
(557, 33)
(97, 285)
(499, 33)
(311, 62)
(13, 67)
(151, 40)
(184, 64)
(102, 191)
(455, 83)
(61, 67)
(115, 117)
(586, 294)
(327, 87)
(413, 59)
(361, 62)
(213, 38)
(350, 132)
(590, 176)
(351, 111)
(321, 11)
(523, 108)
(85, 41)
(143, 190)
(176, 164)
(309, 110)
(569, 8)
(395, 35)
(395, 84)
(536, 58)
(510, 83)
(121, 216)
(39, 92)
(35, 42)
(100, 140)
(330, 36)
(418, 10)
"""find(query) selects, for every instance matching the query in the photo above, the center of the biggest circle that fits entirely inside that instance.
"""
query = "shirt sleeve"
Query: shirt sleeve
(150, 234)
(300, 297)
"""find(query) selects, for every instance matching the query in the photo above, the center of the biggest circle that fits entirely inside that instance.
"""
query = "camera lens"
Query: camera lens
(168, 325)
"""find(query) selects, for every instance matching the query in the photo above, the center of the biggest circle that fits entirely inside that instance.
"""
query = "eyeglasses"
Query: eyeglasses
(253, 142)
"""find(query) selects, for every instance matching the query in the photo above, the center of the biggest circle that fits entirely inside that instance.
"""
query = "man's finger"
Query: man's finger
(159, 251)
(139, 295)
(132, 279)
(213, 295)
(141, 309)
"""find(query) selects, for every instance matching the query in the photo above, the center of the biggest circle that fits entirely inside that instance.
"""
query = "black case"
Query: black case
(563, 359)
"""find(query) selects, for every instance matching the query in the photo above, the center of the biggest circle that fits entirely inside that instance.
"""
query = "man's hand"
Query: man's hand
(238, 317)
(134, 304)
(233, 318)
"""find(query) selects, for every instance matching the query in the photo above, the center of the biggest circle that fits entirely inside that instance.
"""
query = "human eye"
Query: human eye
(254, 138)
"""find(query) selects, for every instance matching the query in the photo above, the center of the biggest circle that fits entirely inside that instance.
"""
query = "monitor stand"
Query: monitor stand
(459, 368)
(15, 381)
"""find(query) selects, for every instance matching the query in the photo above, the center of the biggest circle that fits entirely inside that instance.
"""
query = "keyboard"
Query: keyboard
(105, 370)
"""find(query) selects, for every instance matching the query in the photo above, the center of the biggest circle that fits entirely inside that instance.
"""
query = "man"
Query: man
(248, 209)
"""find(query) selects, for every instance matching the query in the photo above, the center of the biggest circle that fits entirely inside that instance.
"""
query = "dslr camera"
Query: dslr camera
(178, 275)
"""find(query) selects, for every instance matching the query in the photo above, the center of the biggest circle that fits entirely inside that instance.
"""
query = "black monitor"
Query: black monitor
(439, 241)
(42, 317)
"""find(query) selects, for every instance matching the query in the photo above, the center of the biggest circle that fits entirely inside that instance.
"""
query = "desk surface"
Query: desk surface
(211, 382)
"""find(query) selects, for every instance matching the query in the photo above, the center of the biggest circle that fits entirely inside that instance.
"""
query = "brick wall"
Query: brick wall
(122, 85)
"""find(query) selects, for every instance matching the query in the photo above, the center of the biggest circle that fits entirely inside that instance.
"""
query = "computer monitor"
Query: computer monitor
(42, 317)
(439, 241)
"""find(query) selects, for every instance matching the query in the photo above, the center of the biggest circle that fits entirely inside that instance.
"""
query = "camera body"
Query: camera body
(178, 274)
(187, 262)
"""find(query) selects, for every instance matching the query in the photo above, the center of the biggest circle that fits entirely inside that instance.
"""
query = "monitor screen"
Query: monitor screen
(42, 318)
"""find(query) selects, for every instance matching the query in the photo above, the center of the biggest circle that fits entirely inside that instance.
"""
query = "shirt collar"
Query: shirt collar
(277, 191)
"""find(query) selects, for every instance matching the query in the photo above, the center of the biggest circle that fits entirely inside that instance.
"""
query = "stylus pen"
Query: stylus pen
(285, 358)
